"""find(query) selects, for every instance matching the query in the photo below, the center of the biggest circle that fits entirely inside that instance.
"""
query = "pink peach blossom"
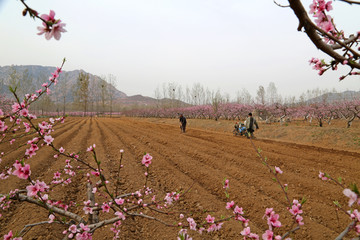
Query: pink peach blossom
(105, 207)
(230, 205)
(73, 228)
(120, 215)
(238, 210)
(20, 171)
(192, 223)
(322, 176)
(146, 160)
(246, 231)
(119, 201)
(8, 236)
(226, 184)
(210, 219)
(52, 28)
(278, 170)
(268, 235)
(48, 139)
(51, 217)
(273, 220)
(351, 195)
(299, 220)
(50, 17)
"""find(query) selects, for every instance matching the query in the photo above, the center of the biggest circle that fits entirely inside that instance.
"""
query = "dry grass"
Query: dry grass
(333, 136)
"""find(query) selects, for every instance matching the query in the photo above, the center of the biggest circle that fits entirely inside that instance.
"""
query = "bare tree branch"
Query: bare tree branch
(291, 231)
(347, 41)
(94, 217)
(348, 228)
(350, 2)
(21, 197)
(283, 6)
(22, 232)
(95, 226)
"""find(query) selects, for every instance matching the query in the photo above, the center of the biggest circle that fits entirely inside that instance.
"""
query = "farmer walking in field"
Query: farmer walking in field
(182, 121)
(250, 124)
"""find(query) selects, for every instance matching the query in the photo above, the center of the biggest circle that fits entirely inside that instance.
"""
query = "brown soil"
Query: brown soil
(201, 158)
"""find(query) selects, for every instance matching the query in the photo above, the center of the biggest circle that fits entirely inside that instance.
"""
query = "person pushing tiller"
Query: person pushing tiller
(250, 124)
(182, 121)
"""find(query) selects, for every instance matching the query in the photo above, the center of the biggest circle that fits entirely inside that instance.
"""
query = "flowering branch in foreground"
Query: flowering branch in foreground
(352, 192)
(326, 37)
(51, 27)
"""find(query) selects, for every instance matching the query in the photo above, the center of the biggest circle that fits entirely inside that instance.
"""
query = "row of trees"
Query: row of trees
(180, 96)
(92, 95)
(321, 112)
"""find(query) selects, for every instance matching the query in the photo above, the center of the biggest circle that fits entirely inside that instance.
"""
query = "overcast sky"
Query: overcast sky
(221, 44)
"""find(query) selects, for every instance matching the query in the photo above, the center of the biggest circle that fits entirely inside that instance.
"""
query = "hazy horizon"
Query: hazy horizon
(223, 46)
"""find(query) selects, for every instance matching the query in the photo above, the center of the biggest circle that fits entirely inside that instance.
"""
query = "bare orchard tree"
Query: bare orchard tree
(45, 105)
(26, 83)
(288, 100)
(226, 97)
(14, 80)
(81, 91)
(171, 92)
(187, 94)
(244, 97)
(172, 95)
(111, 84)
(271, 93)
(104, 95)
(208, 96)
(22, 81)
(260, 95)
(61, 90)
(157, 95)
(217, 99)
(179, 96)
(164, 91)
(97, 96)
(94, 95)
(197, 94)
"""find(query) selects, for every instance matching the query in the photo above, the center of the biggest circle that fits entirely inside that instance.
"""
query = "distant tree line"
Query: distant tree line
(91, 95)
(179, 96)
(272, 113)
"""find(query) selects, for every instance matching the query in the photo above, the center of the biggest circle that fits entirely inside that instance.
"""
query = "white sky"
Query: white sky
(222, 44)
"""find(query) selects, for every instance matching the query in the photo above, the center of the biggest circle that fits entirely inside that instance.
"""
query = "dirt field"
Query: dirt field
(202, 158)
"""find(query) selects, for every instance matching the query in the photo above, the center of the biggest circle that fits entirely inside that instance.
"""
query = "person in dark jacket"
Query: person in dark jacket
(182, 121)
(250, 124)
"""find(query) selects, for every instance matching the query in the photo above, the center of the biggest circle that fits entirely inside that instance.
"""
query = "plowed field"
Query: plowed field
(199, 158)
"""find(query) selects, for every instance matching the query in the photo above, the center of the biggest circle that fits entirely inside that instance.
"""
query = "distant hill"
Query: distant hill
(32, 76)
(335, 97)
(39, 74)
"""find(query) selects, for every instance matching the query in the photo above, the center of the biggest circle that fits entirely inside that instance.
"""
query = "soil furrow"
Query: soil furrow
(201, 159)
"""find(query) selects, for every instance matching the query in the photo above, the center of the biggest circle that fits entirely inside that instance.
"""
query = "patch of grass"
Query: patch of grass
(357, 140)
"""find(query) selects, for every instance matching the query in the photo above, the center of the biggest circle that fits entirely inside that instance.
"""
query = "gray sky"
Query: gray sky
(222, 44)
